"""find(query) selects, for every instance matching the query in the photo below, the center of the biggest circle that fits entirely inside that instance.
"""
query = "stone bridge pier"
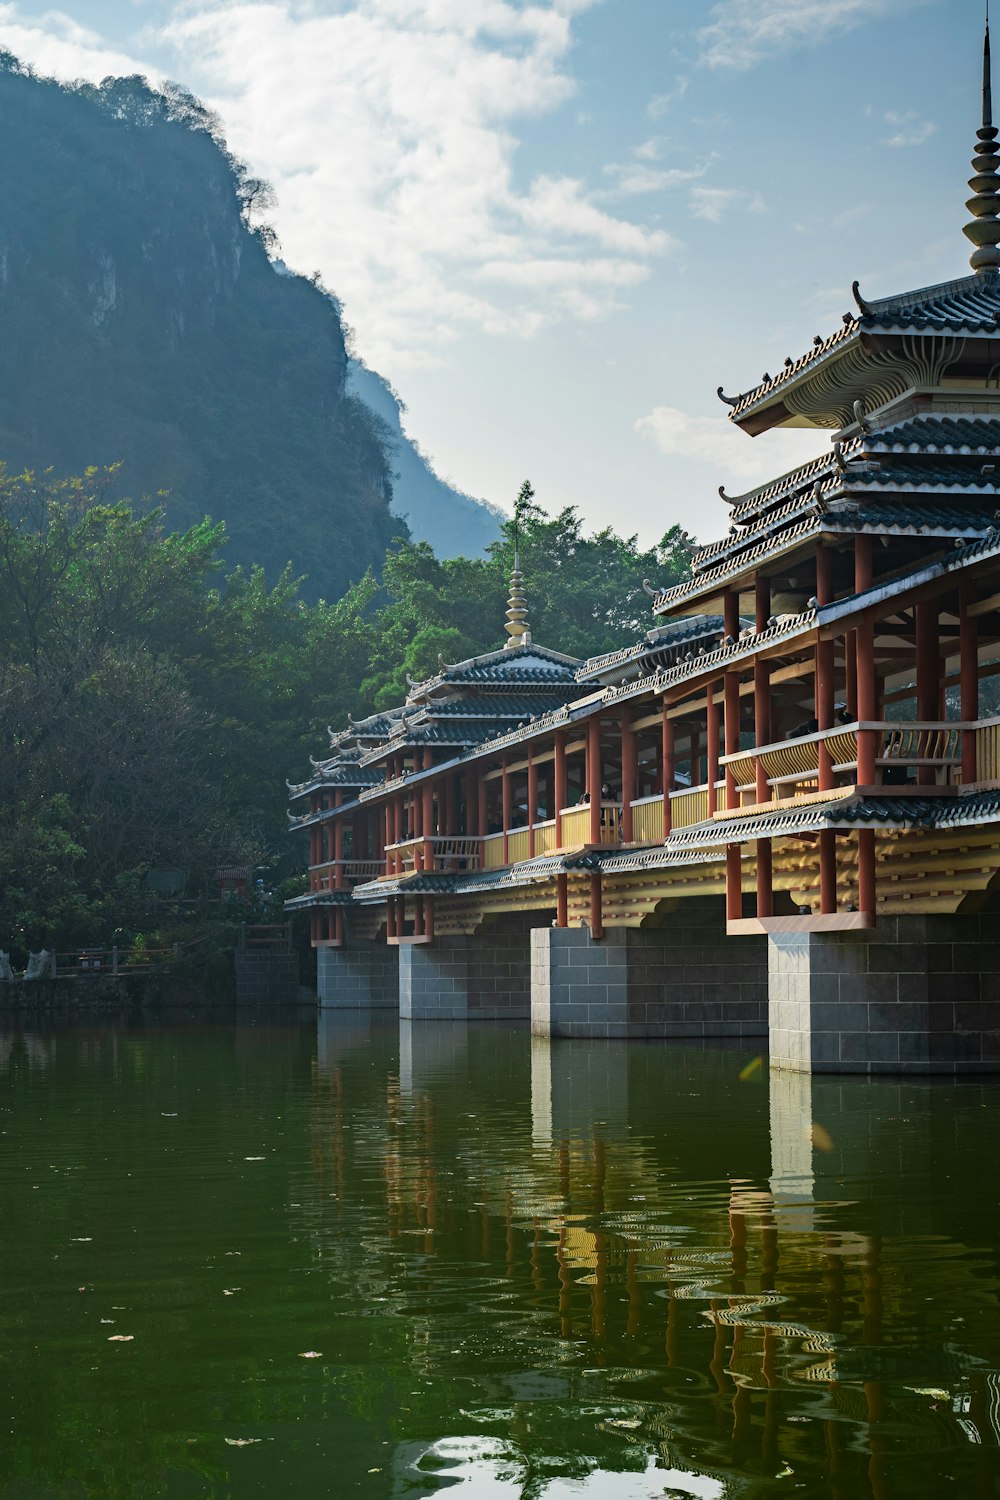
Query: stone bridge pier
(912, 995)
(483, 976)
(683, 980)
(362, 975)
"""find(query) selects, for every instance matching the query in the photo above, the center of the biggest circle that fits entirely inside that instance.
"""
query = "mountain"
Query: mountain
(142, 322)
(454, 523)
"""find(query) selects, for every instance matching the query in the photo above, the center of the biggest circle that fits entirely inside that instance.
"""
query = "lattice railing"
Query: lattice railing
(647, 820)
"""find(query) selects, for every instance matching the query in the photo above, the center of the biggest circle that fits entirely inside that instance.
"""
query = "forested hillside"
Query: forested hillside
(142, 322)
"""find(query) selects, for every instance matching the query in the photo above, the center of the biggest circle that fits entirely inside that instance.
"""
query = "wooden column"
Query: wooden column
(428, 904)
(482, 808)
(418, 916)
(824, 689)
(968, 676)
(762, 603)
(397, 831)
(731, 692)
(868, 739)
(594, 777)
(866, 870)
(630, 771)
(827, 871)
(338, 843)
(731, 613)
(532, 800)
(669, 769)
(450, 828)
(734, 882)
(762, 721)
(928, 673)
(505, 806)
(338, 926)
(427, 812)
(560, 786)
(765, 879)
(562, 900)
(596, 908)
(851, 673)
(711, 745)
(390, 918)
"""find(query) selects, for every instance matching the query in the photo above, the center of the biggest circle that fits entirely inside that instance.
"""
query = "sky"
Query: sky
(557, 226)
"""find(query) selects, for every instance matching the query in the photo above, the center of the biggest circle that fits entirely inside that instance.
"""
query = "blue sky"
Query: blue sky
(558, 226)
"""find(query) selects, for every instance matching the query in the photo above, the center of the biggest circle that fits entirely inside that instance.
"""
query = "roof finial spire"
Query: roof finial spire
(984, 205)
(517, 607)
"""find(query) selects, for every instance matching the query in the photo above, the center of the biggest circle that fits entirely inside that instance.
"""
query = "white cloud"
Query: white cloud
(713, 203)
(390, 129)
(730, 453)
(744, 32)
(908, 129)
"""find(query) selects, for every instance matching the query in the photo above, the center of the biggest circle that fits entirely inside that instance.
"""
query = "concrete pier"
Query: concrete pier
(685, 980)
(360, 976)
(912, 995)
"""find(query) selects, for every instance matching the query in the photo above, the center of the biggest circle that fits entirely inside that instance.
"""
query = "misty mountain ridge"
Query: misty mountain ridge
(144, 322)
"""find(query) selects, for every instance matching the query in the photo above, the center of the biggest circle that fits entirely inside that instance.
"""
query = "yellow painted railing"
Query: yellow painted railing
(545, 837)
(647, 820)
(988, 751)
(517, 846)
(575, 826)
(689, 807)
(493, 851)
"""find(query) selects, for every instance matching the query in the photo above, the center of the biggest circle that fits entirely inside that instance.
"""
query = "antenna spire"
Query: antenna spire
(984, 205)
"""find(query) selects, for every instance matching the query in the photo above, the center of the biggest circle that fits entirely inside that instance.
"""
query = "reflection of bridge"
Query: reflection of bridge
(777, 812)
(742, 1280)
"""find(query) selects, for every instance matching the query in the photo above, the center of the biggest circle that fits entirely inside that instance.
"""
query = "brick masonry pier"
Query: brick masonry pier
(912, 995)
(685, 980)
(361, 976)
(486, 976)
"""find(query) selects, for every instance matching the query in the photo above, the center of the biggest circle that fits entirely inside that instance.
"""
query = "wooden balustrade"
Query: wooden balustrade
(689, 806)
(988, 750)
(647, 820)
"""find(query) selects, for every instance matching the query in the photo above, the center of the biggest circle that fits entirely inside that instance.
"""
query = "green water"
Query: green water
(281, 1259)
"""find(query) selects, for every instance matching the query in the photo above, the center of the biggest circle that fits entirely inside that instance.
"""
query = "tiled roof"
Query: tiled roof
(852, 812)
(940, 434)
(755, 547)
(530, 872)
(969, 306)
(657, 648)
(495, 706)
(333, 776)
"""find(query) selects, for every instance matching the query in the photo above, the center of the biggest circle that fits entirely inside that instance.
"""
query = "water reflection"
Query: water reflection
(386, 1259)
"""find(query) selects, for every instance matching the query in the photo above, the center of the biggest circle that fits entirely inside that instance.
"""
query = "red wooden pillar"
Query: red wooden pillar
(731, 692)
(428, 905)
(562, 900)
(427, 812)
(866, 870)
(482, 808)
(596, 907)
(338, 926)
(851, 673)
(338, 843)
(731, 613)
(450, 828)
(390, 918)
(855, 650)
(824, 709)
(765, 879)
(762, 603)
(762, 721)
(968, 676)
(928, 673)
(867, 702)
(711, 746)
(734, 882)
(594, 777)
(532, 800)
(506, 802)
(630, 771)
(827, 871)
(560, 784)
(669, 769)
